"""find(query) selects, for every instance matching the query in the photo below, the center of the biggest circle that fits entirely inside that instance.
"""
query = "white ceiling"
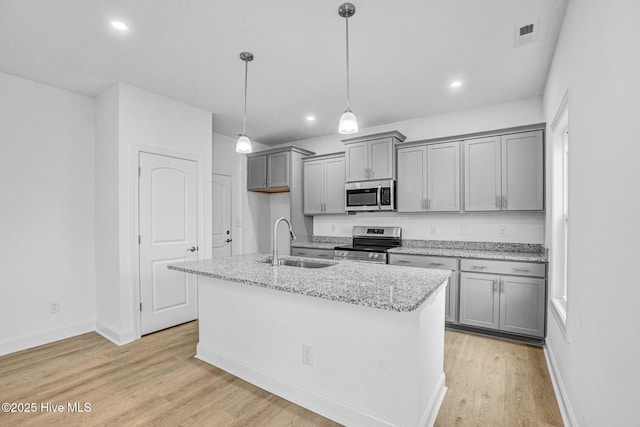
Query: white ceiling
(404, 54)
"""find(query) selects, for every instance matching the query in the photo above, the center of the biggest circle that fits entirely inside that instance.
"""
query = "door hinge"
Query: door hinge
(140, 306)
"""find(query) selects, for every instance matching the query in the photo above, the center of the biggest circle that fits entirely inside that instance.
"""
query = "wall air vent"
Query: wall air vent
(527, 33)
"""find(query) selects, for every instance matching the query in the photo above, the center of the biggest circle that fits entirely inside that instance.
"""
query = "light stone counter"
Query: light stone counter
(381, 286)
(470, 253)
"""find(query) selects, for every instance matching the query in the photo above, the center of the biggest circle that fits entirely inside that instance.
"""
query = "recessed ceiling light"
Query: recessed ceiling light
(120, 26)
(455, 84)
(311, 118)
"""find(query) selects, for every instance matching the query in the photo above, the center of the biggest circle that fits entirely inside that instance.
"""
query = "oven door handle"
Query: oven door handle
(379, 196)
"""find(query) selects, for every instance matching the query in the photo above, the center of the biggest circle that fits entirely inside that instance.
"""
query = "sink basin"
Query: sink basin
(301, 263)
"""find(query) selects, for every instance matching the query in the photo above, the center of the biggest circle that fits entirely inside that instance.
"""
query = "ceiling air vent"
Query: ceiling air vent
(527, 33)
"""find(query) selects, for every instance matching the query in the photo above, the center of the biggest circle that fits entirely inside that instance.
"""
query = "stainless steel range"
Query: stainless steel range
(370, 244)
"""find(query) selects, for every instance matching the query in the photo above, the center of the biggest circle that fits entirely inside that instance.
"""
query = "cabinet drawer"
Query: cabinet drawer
(312, 252)
(513, 268)
(424, 261)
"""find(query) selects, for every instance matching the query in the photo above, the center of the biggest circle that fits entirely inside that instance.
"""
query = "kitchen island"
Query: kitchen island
(359, 343)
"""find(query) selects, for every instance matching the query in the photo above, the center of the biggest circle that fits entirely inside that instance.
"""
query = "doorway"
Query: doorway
(222, 237)
(168, 222)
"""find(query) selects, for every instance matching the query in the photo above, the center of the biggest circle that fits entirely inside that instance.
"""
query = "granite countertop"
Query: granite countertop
(470, 253)
(314, 245)
(381, 286)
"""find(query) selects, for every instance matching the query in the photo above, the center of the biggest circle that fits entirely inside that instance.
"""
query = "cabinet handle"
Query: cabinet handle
(301, 253)
(428, 204)
(268, 181)
(495, 286)
(264, 182)
(435, 264)
(498, 202)
(478, 267)
(424, 204)
(521, 270)
(504, 202)
(323, 256)
(502, 285)
(401, 261)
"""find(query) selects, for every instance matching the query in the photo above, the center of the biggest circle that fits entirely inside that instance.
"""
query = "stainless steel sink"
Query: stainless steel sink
(301, 263)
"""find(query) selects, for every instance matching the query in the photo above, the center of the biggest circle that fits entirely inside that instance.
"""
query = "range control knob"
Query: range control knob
(370, 256)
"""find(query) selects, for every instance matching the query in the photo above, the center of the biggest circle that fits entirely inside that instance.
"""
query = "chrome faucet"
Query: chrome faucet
(274, 255)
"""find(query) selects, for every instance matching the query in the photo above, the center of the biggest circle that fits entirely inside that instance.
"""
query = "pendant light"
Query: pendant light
(244, 143)
(348, 122)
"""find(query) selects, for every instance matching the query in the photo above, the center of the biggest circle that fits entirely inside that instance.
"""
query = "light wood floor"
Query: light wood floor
(157, 381)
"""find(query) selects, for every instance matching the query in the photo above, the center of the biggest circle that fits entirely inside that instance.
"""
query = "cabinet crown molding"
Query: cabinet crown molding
(291, 148)
(362, 138)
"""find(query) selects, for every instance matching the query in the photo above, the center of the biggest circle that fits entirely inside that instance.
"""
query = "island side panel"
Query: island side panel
(369, 366)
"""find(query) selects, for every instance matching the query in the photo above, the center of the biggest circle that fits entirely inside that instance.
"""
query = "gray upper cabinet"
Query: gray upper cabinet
(270, 171)
(522, 171)
(324, 179)
(429, 178)
(504, 173)
(371, 157)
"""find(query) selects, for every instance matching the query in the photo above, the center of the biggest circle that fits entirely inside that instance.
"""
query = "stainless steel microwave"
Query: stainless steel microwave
(370, 195)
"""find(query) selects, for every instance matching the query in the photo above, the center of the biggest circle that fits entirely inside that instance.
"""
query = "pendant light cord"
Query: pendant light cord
(347, 25)
(244, 122)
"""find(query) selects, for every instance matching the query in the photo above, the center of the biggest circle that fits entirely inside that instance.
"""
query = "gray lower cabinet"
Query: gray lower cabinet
(504, 296)
(312, 252)
(442, 263)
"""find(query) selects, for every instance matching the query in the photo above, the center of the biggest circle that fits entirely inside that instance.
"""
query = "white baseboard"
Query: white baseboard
(320, 404)
(431, 413)
(568, 417)
(112, 334)
(35, 339)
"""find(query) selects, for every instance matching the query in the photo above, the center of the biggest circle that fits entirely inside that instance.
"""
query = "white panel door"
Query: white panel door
(482, 174)
(522, 172)
(412, 179)
(334, 180)
(221, 213)
(168, 234)
(357, 162)
(479, 300)
(381, 158)
(443, 181)
(522, 305)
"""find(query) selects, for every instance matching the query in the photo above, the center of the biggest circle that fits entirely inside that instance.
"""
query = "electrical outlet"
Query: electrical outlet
(434, 230)
(54, 307)
(502, 231)
(307, 355)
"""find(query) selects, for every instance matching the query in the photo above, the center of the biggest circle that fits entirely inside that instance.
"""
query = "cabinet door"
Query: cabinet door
(412, 179)
(479, 300)
(380, 158)
(482, 174)
(313, 177)
(451, 307)
(356, 158)
(522, 172)
(256, 172)
(334, 185)
(522, 305)
(443, 177)
(278, 170)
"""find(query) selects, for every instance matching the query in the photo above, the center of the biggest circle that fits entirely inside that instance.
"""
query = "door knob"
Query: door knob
(193, 249)
(228, 240)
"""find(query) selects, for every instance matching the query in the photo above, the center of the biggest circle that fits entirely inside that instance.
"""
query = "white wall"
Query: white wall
(47, 210)
(597, 61)
(149, 122)
(250, 211)
(521, 228)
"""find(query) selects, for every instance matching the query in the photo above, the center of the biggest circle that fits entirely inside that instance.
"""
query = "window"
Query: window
(559, 219)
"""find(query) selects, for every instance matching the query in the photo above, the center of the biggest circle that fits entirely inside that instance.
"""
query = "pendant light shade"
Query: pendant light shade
(244, 143)
(348, 122)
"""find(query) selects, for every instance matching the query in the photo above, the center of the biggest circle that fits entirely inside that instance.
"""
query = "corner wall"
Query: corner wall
(596, 367)
(47, 208)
